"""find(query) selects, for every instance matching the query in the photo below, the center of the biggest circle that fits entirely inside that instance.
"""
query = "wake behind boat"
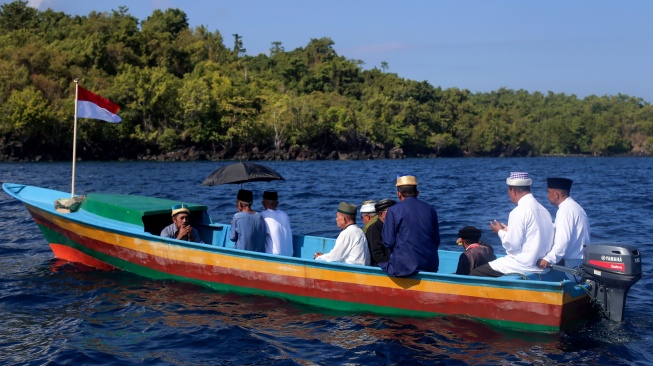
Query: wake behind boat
(109, 231)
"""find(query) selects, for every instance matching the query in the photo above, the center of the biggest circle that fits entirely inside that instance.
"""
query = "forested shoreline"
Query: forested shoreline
(185, 95)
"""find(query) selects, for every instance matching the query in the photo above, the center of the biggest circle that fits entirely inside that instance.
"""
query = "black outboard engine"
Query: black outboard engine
(610, 270)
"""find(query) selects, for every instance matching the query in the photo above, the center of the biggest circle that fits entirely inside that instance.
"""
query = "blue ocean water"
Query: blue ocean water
(59, 313)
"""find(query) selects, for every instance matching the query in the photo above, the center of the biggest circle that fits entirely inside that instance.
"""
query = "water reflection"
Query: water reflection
(63, 314)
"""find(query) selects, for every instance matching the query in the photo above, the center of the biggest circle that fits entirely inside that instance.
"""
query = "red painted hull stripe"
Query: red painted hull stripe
(522, 312)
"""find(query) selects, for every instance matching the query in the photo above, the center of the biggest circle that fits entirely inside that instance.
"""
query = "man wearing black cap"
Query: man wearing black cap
(476, 252)
(247, 227)
(378, 252)
(351, 245)
(278, 235)
(572, 229)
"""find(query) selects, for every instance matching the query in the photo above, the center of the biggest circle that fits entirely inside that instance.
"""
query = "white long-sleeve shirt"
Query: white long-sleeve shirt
(350, 248)
(278, 235)
(528, 239)
(572, 231)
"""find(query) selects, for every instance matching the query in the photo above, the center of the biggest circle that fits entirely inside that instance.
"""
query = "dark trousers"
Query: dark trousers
(485, 271)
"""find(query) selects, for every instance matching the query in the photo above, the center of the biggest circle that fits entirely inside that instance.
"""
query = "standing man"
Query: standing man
(247, 226)
(278, 235)
(351, 245)
(180, 228)
(572, 229)
(528, 235)
(410, 232)
(378, 252)
(368, 214)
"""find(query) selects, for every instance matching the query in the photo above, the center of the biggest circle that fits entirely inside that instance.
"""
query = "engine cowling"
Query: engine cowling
(611, 269)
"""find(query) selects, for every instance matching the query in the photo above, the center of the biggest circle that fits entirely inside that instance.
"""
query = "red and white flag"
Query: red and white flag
(91, 105)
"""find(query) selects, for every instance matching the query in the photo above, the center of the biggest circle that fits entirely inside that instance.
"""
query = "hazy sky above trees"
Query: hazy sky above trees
(572, 47)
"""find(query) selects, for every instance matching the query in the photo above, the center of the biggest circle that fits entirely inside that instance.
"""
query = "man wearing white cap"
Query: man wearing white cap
(368, 214)
(528, 236)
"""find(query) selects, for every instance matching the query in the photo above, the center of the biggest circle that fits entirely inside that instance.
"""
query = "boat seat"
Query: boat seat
(215, 234)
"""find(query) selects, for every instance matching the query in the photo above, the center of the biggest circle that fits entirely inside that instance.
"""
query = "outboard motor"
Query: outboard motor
(610, 270)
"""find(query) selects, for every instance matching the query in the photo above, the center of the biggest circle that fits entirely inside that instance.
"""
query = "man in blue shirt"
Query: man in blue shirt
(411, 233)
(247, 226)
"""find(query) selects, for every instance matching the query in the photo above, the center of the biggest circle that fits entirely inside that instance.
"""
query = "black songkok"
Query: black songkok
(470, 234)
(384, 204)
(559, 183)
(270, 195)
(245, 196)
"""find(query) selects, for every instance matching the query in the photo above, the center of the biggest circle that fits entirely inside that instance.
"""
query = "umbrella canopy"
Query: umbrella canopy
(241, 173)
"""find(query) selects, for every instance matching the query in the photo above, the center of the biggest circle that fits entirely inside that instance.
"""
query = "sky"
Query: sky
(579, 47)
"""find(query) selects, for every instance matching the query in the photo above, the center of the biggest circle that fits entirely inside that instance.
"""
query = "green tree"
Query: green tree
(17, 15)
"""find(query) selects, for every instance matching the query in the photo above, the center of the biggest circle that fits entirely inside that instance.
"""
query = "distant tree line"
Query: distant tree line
(182, 91)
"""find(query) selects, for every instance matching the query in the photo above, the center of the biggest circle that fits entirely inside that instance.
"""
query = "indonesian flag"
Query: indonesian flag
(91, 105)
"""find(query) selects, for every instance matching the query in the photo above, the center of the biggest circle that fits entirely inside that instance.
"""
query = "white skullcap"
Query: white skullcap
(368, 208)
(519, 179)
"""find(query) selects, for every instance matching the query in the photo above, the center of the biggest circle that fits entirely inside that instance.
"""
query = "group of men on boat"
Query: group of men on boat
(403, 237)
(532, 242)
(402, 240)
(268, 231)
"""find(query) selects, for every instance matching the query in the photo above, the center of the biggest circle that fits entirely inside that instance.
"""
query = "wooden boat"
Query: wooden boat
(110, 231)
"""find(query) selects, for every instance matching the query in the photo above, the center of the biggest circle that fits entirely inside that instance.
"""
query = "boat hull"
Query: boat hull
(524, 305)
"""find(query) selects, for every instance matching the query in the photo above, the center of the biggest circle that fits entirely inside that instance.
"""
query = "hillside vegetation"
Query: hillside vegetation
(184, 94)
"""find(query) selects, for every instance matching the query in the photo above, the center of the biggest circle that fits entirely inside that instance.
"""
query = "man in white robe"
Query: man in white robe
(572, 229)
(278, 234)
(528, 235)
(351, 244)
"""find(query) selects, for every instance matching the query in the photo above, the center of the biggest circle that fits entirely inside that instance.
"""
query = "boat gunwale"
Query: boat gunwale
(136, 232)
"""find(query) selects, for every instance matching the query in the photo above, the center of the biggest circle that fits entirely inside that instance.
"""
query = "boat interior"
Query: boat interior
(217, 234)
(153, 214)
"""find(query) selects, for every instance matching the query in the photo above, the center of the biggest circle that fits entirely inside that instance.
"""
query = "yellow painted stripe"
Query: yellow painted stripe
(170, 251)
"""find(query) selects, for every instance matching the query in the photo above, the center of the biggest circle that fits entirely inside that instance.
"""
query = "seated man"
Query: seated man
(368, 214)
(528, 235)
(247, 226)
(572, 229)
(351, 245)
(476, 252)
(180, 227)
(278, 238)
(411, 233)
(378, 251)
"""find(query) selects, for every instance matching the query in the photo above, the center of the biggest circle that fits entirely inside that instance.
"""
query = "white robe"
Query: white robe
(528, 239)
(278, 235)
(572, 231)
(350, 248)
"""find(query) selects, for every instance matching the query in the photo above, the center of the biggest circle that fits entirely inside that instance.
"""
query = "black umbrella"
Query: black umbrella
(241, 173)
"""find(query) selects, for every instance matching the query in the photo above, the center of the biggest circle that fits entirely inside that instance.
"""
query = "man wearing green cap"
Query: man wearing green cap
(351, 245)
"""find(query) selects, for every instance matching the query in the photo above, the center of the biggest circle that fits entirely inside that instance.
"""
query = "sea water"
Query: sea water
(59, 313)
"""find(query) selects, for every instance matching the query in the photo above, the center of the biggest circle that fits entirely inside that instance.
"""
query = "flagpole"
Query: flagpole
(72, 190)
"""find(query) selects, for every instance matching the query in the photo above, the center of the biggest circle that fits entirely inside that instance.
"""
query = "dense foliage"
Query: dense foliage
(182, 89)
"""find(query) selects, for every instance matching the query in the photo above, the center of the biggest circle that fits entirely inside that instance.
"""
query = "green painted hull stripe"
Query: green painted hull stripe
(336, 305)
